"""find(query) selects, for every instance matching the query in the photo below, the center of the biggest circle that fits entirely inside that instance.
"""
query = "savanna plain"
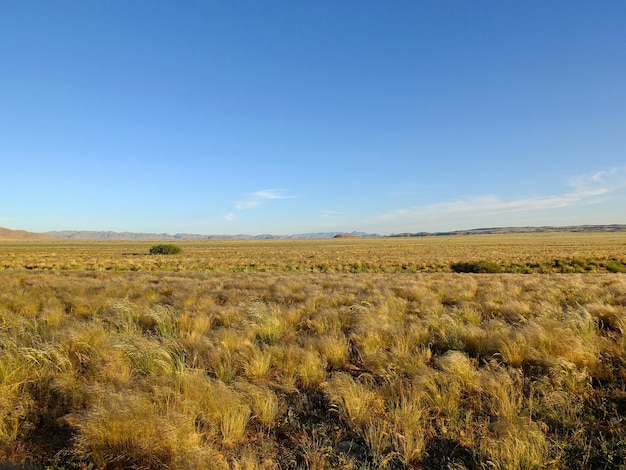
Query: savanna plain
(467, 352)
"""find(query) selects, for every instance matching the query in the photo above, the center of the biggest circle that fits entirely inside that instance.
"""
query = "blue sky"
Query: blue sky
(290, 116)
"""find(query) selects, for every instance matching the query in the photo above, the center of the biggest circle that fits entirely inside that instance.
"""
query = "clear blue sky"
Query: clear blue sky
(303, 116)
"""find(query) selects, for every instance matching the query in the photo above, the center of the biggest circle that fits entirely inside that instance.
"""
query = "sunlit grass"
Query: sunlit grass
(521, 253)
(156, 369)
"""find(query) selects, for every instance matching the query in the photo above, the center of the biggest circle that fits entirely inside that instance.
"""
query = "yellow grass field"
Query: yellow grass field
(552, 252)
(316, 354)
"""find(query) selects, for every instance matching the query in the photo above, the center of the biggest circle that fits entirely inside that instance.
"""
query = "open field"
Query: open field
(353, 354)
(542, 253)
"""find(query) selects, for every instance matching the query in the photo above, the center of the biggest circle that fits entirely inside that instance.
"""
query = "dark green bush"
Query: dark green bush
(615, 267)
(477, 267)
(164, 250)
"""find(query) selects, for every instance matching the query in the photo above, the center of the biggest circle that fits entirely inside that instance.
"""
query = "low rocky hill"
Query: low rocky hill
(8, 234)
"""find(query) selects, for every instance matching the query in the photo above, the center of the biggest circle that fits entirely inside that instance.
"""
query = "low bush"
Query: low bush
(165, 249)
(477, 267)
(615, 267)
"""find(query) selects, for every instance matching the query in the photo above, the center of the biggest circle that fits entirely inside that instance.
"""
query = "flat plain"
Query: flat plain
(492, 352)
(526, 253)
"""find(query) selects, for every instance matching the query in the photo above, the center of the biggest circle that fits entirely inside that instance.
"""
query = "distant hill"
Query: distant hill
(108, 235)
(8, 234)
(513, 230)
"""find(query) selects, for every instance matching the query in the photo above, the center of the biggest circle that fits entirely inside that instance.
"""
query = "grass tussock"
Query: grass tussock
(233, 370)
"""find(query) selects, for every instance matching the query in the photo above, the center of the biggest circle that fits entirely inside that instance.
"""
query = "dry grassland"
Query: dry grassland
(325, 356)
(533, 253)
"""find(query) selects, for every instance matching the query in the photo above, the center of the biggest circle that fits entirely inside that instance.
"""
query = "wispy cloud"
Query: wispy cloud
(585, 189)
(331, 214)
(259, 197)
(599, 183)
(230, 216)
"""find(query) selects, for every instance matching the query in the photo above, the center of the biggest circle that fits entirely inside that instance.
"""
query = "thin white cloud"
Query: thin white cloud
(330, 214)
(248, 204)
(259, 197)
(584, 189)
(601, 182)
(230, 216)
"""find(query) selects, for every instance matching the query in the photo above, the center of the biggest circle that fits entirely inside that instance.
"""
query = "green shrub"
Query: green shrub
(615, 267)
(477, 267)
(164, 250)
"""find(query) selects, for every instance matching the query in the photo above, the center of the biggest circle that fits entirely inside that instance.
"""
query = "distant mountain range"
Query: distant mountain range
(512, 230)
(92, 235)
(6, 233)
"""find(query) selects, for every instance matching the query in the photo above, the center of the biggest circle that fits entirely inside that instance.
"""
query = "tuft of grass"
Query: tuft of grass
(515, 444)
(128, 430)
(356, 402)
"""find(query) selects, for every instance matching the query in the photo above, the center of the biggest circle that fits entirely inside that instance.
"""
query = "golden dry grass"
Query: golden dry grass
(216, 369)
(526, 253)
